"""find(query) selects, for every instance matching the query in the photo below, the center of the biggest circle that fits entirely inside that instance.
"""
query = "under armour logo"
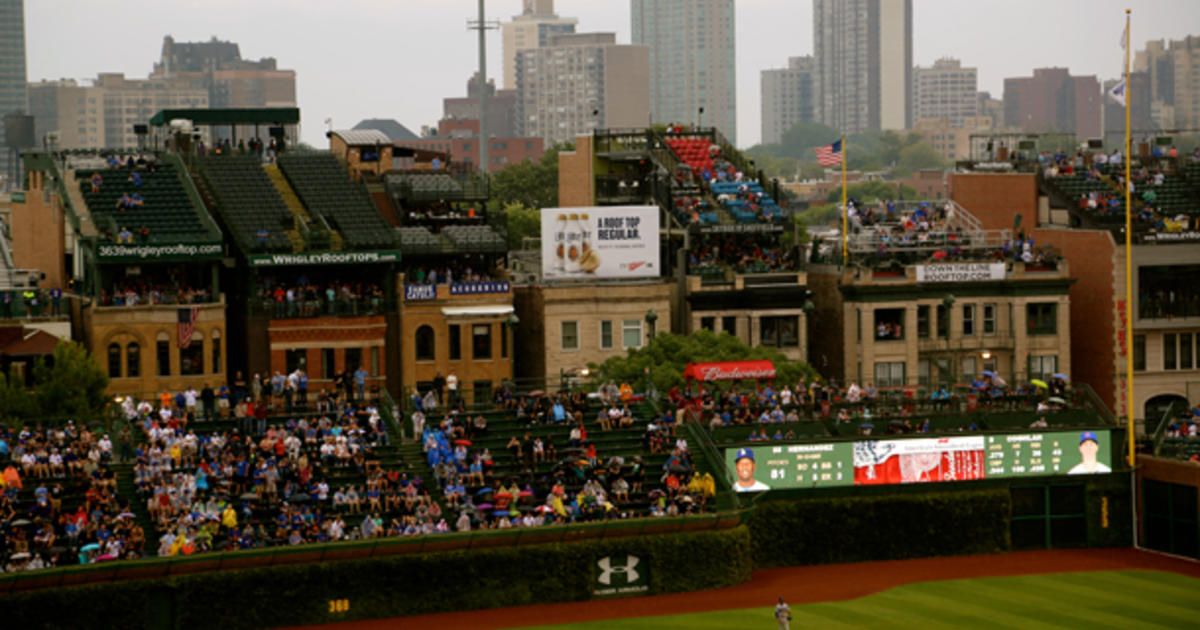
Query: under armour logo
(607, 569)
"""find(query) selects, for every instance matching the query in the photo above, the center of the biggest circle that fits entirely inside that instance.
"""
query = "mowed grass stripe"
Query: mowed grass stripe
(1103, 599)
(1033, 591)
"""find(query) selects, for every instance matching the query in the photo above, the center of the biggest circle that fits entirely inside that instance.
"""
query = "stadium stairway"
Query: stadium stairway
(412, 454)
(127, 488)
(293, 203)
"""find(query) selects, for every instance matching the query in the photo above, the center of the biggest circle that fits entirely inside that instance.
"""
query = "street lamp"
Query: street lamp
(511, 324)
(651, 318)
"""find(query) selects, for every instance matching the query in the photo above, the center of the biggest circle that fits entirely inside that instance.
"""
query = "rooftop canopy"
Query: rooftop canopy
(231, 116)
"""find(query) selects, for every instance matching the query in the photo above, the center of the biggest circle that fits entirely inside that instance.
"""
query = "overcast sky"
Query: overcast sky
(358, 59)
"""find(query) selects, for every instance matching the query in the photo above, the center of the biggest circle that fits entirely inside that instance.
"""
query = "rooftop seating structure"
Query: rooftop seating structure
(248, 202)
(326, 189)
(166, 210)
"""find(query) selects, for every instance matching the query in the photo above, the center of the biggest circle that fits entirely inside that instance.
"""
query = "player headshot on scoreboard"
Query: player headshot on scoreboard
(1089, 445)
(744, 464)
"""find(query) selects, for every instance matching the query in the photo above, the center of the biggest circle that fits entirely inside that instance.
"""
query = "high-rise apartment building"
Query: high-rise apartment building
(864, 63)
(580, 82)
(947, 90)
(102, 115)
(787, 97)
(12, 72)
(536, 26)
(1174, 71)
(1053, 101)
(501, 107)
(692, 61)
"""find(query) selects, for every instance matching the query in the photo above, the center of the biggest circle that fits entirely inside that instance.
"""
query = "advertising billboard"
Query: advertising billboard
(919, 460)
(600, 242)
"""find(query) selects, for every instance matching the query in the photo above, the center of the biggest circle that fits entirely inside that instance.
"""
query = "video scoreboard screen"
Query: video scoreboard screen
(918, 460)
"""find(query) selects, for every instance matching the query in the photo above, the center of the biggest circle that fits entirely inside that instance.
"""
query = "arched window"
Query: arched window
(133, 360)
(217, 368)
(114, 360)
(162, 353)
(425, 345)
(191, 358)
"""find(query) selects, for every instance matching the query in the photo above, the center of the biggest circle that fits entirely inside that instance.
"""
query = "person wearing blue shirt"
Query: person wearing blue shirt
(360, 382)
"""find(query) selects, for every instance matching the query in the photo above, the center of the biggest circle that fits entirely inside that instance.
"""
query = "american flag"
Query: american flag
(830, 154)
(187, 326)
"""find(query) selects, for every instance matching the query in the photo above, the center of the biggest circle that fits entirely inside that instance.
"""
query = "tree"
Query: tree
(70, 384)
(799, 141)
(916, 157)
(662, 361)
(530, 184)
(521, 222)
(15, 400)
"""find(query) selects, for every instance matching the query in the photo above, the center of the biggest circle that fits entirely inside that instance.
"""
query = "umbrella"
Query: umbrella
(107, 556)
(996, 380)
(90, 547)
(545, 509)
(537, 392)
(1062, 376)
(484, 506)
(484, 491)
(526, 493)
(504, 495)
(988, 373)
(21, 522)
(657, 493)
(24, 555)
(127, 515)
(1056, 400)
(1040, 383)
(463, 442)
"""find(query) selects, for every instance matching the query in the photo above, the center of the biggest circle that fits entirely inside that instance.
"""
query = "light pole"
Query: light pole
(651, 318)
(511, 325)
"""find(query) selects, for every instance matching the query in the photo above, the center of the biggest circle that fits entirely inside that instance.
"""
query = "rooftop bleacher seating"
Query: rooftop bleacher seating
(248, 201)
(325, 189)
(417, 239)
(166, 211)
(474, 237)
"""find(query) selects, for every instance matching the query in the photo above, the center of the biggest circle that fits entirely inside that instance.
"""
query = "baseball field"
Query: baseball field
(1099, 599)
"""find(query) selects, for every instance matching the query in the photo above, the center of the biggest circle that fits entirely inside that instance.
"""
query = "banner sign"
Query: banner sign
(620, 576)
(414, 292)
(729, 370)
(1170, 237)
(919, 460)
(120, 252)
(478, 288)
(325, 258)
(600, 242)
(960, 272)
(18, 196)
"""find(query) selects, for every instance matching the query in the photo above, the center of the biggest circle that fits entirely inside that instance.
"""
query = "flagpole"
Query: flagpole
(845, 210)
(1131, 457)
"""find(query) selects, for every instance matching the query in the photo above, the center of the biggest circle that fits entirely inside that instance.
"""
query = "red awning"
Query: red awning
(730, 370)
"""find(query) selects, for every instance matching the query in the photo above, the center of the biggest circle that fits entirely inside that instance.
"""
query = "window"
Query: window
(989, 319)
(216, 352)
(1043, 366)
(779, 332)
(631, 333)
(943, 321)
(328, 363)
(708, 323)
(133, 360)
(425, 343)
(606, 335)
(969, 369)
(1185, 351)
(729, 324)
(162, 352)
(1042, 318)
(1139, 352)
(296, 359)
(1170, 361)
(455, 342)
(923, 371)
(968, 319)
(191, 358)
(570, 335)
(354, 359)
(481, 342)
(889, 374)
(889, 323)
(114, 360)
(923, 321)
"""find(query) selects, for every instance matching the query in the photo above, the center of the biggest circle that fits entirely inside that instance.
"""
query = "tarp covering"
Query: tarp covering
(230, 116)
(730, 370)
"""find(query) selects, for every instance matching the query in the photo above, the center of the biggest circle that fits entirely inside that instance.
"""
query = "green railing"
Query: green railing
(160, 568)
(1160, 432)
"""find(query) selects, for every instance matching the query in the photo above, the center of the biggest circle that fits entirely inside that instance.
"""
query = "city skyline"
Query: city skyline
(334, 82)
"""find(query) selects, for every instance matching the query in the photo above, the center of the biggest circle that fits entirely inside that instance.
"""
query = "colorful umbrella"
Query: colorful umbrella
(1062, 376)
(1040, 383)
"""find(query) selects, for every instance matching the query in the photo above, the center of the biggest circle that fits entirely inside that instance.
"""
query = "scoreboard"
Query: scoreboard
(918, 460)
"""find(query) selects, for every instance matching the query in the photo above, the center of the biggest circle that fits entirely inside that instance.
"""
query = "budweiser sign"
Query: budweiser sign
(730, 370)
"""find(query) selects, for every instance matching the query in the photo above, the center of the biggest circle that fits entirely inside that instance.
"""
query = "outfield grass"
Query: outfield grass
(1094, 600)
